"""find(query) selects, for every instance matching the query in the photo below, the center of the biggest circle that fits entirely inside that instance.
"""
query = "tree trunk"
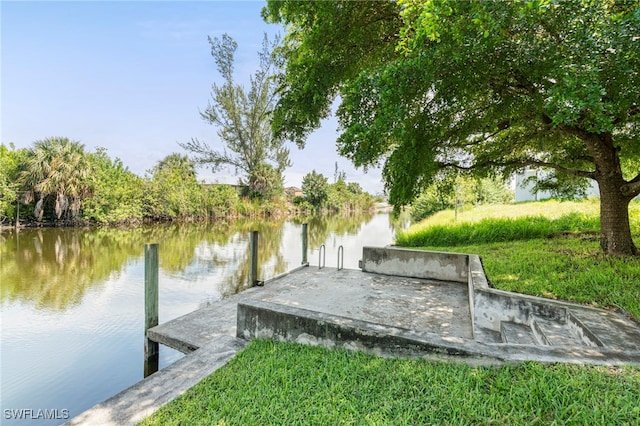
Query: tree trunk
(615, 232)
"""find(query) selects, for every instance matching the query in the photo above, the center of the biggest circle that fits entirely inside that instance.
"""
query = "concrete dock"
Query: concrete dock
(401, 302)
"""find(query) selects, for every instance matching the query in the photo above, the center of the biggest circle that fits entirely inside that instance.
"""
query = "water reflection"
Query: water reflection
(72, 300)
(54, 268)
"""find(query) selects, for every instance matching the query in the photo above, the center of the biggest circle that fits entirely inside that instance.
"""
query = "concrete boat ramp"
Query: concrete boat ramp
(400, 303)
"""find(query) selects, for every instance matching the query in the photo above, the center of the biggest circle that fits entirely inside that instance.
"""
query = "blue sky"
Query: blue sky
(132, 77)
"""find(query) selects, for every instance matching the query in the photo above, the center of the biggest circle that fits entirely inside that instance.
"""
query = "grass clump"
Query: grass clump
(285, 383)
(509, 222)
(497, 230)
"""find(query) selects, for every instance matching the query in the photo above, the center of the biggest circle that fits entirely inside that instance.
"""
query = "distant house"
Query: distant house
(524, 187)
(525, 183)
(293, 192)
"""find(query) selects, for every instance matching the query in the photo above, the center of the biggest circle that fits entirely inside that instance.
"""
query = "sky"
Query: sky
(132, 77)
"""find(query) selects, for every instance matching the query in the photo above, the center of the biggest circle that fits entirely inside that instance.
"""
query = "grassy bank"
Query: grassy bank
(279, 383)
(509, 222)
(548, 249)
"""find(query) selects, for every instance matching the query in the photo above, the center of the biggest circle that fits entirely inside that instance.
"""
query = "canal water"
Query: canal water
(72, 300)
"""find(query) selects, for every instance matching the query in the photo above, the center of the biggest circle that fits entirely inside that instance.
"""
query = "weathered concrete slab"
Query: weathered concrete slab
(410, 303)
(453, 267)
(142, 399)
(428, 305)
(194, 330)
(262, 319)
(470, 313)
(404, 302)
(268, 320)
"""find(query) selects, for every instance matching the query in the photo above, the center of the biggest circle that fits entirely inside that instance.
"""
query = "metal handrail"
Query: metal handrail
(322, 259)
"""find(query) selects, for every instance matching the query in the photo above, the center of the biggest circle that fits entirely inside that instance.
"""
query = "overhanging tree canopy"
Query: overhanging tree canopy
(491, 87)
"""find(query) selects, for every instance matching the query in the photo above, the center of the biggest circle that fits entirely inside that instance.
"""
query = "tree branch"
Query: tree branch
(630, 113)
(631, 188)
(522, 163)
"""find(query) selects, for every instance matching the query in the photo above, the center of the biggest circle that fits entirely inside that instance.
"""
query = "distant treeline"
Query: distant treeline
(56, 182)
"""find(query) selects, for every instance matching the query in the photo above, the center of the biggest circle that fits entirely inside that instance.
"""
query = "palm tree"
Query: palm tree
(58, 169)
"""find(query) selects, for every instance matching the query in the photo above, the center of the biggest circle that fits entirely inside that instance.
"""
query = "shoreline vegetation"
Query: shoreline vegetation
(285, 210)
(57, 184)
(288, 383)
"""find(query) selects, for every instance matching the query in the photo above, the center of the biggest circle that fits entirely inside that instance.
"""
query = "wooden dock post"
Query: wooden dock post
(151, 348)
(253, 257)
(304, 243)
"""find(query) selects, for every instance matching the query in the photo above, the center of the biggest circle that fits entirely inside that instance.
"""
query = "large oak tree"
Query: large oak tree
(492, 87)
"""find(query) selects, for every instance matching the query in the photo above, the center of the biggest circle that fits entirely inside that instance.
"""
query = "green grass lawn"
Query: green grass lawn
(548, 249)
(288, 384)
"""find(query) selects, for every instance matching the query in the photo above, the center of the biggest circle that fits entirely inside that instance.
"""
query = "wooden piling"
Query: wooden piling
(304, 243)
(151, 348)
(253, 247)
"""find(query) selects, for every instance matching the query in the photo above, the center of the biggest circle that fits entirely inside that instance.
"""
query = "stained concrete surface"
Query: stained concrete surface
(416, 304)
(428, 305)
(417, 317)
(383, 314)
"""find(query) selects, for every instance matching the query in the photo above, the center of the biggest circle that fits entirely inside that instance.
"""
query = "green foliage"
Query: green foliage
(429, 202)
(336, 197)
(10, 162)
(343, 197)
(451, 192)
(553, 254)
(315, 188)
(495, 230)
(561, 186)
(265, 181)
(303, 205)
(173, 192)
(116, 193)
(223, 201)
(326, 44)
(489, 87)
(568, 267)
(243, 122)
(273, 383)
(56, 173)
(111, 194)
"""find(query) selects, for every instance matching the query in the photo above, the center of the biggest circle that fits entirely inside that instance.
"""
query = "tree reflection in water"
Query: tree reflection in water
(53, 268)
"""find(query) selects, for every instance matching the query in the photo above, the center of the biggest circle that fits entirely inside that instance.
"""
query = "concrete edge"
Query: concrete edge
(133, 404)
(268, 320)
(177, 344)
(402, 262)
(559, 304)
(284, 274)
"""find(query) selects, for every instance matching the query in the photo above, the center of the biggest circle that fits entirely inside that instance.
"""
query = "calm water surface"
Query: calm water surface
(72, 300)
